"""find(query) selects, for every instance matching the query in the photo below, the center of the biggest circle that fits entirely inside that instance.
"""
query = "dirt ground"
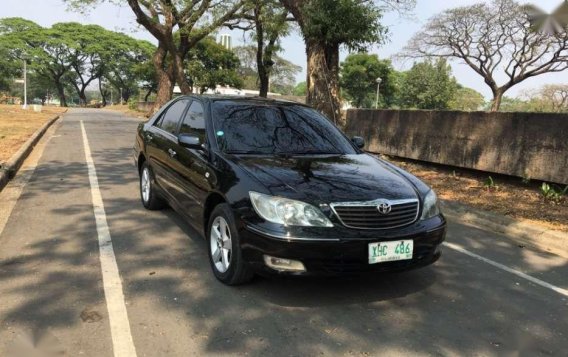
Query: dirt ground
(510, 196)
(17, 125)
(124, 109)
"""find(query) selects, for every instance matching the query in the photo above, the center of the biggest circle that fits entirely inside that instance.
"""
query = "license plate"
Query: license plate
(390, 251)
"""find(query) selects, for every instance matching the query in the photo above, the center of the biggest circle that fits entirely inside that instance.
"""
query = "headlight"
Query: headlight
(288, 212)
(430, 207)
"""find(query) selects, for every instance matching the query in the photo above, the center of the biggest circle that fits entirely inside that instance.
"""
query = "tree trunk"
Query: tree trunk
(164, 76)
(260, 60)
(82, 97)
(150, 91)
(497, 99)
(179, 73)
(103, 94)
(61, 93)
(262, 71)
(126, 95)
(322, 80)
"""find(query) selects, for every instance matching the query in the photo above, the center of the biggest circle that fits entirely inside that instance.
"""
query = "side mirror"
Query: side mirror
(358, 141)
(190, 141)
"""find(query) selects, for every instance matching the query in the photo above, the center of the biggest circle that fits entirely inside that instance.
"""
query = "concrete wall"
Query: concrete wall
(532, 145)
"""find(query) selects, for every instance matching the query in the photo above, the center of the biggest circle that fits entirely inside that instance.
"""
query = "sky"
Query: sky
(48, 12)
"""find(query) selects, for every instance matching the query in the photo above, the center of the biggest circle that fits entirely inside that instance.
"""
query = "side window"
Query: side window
(171, 117)
(194, 121)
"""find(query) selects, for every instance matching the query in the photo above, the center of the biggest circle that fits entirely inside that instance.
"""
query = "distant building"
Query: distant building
(226, 41)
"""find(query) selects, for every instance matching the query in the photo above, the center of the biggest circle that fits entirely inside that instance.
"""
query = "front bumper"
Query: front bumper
(338, 256)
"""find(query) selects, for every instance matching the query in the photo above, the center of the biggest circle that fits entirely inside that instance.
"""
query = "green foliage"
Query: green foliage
(467, 99)
(300, 89)
(428, 85)
(358, 80)
(489, 183)
(210, 64)
(551, 193)
(69, 57)
(353, 24)
(509, 104)
(526, 180)
(132, 104)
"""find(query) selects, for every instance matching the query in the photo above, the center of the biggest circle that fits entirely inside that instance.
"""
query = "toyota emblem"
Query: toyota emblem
(384, 208)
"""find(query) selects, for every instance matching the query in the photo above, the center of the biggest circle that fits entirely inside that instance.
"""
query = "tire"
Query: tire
(148, 194)
(225, 257)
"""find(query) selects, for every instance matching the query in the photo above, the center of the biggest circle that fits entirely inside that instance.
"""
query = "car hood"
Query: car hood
(327, 179)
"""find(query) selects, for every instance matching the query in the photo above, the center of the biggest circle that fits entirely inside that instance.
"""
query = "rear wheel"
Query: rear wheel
(150, 198)
(224, 248)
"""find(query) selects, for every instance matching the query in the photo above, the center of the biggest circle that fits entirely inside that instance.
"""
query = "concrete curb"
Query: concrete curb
(10, 168)
(525, 233)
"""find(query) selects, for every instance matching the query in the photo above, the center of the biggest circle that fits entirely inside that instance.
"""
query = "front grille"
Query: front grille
(366, 215)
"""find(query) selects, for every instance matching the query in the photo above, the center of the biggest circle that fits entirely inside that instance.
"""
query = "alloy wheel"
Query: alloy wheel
(221, 244)
(145, 184)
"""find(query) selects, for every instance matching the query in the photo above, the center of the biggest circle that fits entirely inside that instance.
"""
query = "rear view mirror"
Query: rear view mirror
(358, 141)
(190, 141)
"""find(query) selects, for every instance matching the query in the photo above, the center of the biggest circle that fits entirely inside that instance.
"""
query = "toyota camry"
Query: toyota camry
(276, 188)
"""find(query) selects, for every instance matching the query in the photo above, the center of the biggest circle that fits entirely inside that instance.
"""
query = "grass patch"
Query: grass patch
(17, 125)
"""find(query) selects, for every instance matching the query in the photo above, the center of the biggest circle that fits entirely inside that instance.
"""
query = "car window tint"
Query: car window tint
(171, 117)
(194, 121)
(275, 129)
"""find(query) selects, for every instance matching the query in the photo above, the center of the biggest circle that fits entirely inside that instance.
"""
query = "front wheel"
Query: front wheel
(224, 248)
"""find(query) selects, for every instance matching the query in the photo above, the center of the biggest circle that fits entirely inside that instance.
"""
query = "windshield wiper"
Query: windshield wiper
(314, 152)
(245, 152)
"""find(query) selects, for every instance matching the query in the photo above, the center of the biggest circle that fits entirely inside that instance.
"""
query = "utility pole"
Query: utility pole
(25, 106)
(379, 80)
(120, 95)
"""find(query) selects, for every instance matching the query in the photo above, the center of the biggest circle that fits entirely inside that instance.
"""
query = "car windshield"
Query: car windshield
(272, 129)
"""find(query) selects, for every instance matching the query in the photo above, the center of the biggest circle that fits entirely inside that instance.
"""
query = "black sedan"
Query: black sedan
(277, 188)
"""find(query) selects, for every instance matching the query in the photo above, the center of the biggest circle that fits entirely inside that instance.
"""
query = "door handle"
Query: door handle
(172, 153)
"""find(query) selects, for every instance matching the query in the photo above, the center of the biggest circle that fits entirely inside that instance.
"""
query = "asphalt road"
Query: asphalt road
(52, 293)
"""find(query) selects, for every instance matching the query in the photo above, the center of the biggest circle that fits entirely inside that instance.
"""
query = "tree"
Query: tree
(44, 49)
(89, 48)
(326, 26)
(210, 64)
(428, 85)
(282, 71)
(556, 97)
(496, 40)
(515, 105)
(359, 73)
(178, 26)
(9, 69)
(466, 99)
(125, 68)
(269, 21)
(300, 89)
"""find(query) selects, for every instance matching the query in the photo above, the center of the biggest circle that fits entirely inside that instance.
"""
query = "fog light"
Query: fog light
(282, 264)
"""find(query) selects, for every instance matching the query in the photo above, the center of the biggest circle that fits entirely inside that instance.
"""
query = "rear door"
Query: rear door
(161, 142)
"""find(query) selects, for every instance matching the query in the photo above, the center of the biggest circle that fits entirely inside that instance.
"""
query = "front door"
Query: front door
(191, 166)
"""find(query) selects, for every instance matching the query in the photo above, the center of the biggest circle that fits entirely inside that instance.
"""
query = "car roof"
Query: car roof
(244, 99)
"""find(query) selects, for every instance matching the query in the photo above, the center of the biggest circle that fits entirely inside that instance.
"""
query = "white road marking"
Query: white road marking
(123, 345)
(532, 279)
